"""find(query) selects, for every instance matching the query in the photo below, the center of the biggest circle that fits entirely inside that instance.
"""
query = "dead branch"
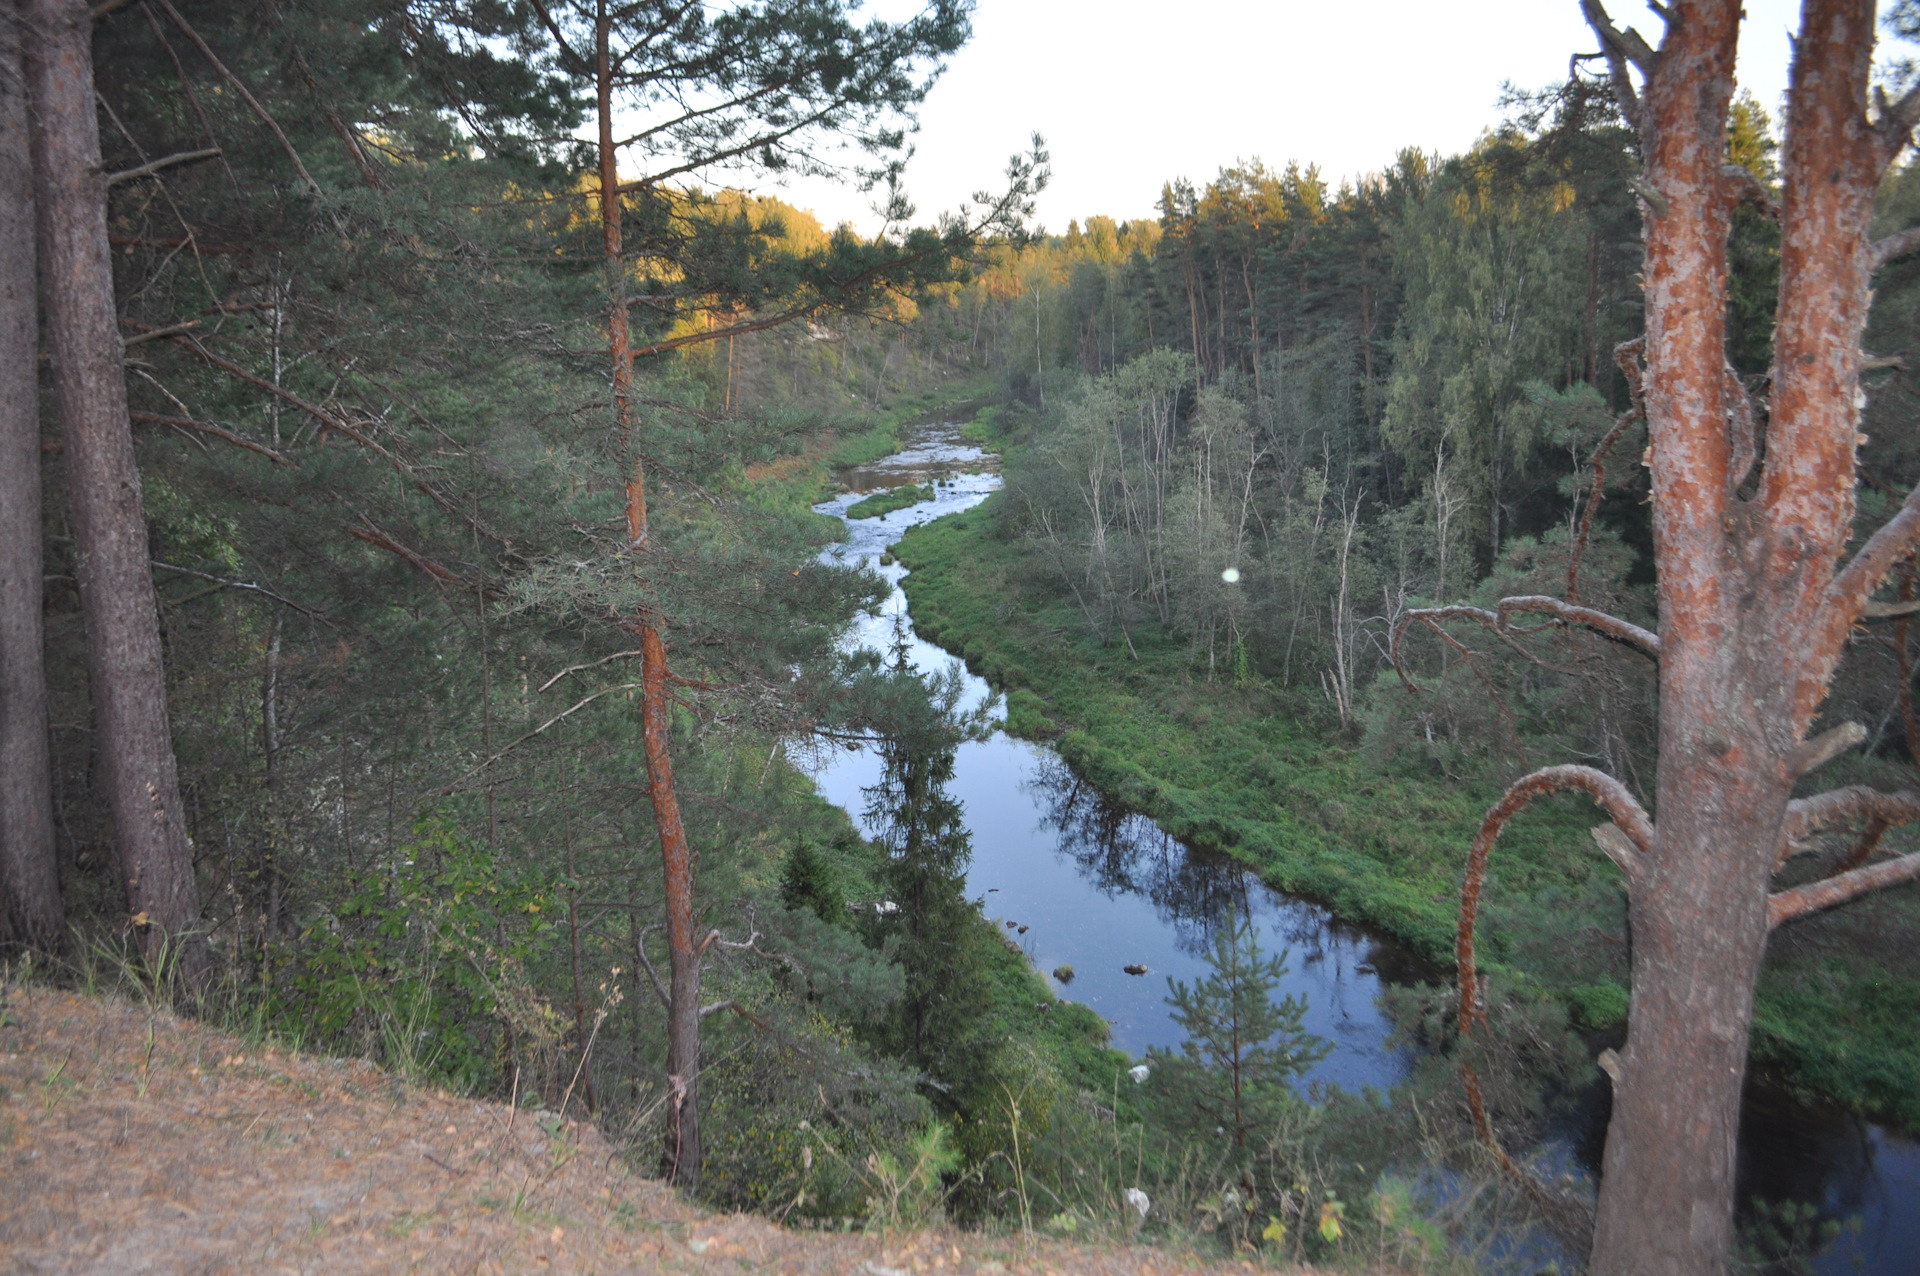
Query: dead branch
(238, 584)
(591, 664)
(640, 954)
(1743, 445)
(556, 718)
(1612, 796)
(1854, 804)
(151, 167)
(1825, 747)
(373, 535)
(1627, 356)
(1853, 586)
(1891, 611)
(252, 102)
(1896, 123)
(1634, 833)
(1895, 246)
(154, 334)
(205, 427)
(1620, 631)
(1784, 906)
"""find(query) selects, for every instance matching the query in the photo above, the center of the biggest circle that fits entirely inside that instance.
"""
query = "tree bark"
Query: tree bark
(682, 1153)
(1752, 616)
(126, 673)
(30, 908)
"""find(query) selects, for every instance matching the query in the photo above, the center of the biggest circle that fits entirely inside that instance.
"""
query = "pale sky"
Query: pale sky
(1130, 94)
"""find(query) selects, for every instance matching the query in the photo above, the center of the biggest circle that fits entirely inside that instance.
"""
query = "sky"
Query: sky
(1130, 94)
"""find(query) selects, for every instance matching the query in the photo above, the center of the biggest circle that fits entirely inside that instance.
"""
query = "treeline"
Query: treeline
(1280, 416)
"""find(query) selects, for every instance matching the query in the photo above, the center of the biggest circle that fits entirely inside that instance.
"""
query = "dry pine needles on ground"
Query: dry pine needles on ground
(132, 1141)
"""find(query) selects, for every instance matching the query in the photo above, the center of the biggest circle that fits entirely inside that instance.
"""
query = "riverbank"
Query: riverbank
(1231, 767)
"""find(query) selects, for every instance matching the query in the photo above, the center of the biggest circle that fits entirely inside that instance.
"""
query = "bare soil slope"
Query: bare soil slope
(134, 1141)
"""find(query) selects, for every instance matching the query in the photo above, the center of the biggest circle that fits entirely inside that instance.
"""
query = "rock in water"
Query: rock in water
(1063, 973)
(1135, 969)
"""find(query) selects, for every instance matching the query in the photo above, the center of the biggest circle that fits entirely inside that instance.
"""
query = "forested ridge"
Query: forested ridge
(411, 579)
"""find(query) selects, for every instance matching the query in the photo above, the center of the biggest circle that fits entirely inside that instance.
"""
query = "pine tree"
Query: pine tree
(1243, 1048)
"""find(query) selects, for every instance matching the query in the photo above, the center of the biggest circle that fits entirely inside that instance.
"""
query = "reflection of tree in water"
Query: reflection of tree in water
(1124, 853)
(1127, 854)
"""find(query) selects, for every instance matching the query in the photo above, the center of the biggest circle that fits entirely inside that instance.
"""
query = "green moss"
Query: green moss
(898, 498)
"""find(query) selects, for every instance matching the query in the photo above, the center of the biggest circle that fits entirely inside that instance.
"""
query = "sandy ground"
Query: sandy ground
(133, 1141)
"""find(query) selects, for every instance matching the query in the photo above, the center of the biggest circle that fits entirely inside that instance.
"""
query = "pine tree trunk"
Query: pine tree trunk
(682, 1154)
(1699, 927)
(30, 909)
(1753, 611)
(126, 674)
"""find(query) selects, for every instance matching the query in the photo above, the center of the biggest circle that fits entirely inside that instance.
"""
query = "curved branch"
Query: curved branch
(1620, 631)
(1632, 838)
(1611, 795)
(1431, 618)
(1895, 246)
(653, 976)
(1626, 356)
(1613, 43)
(1784, 906)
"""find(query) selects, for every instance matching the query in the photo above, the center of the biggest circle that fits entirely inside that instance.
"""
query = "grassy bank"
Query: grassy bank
(1233, 767)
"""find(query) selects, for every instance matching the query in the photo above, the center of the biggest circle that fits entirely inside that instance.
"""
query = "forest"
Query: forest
(418, 640)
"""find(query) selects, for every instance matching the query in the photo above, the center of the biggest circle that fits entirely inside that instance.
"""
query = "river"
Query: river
(1097, 888)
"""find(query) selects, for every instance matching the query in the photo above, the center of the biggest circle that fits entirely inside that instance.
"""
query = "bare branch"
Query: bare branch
(1617, 846)
(1847, 597)
(252, 102)
(187, 423)
(238, 584)
(1895, 246)
(1431, 618)
(591, 664)
(151, 167)
(1784, 906)
(1621, 631)
(1825, 747)
(1896, 123)
(653, 976)
(558, 717)
(154, 334)
(1856, 803)
(374, 535)
(1743, 445)
(1612, 796)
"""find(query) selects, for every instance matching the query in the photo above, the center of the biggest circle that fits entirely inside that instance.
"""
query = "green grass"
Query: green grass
(1236, 768)
(897, 498)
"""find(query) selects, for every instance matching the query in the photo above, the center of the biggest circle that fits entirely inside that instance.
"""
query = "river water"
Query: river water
(1094, 888)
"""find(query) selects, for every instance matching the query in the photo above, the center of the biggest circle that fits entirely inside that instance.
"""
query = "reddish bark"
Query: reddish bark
(1753, 608)
(682, 1154)
(126, 674)
(30, 908)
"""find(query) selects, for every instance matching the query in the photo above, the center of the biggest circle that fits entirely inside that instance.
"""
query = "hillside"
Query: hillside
(137, 1141)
